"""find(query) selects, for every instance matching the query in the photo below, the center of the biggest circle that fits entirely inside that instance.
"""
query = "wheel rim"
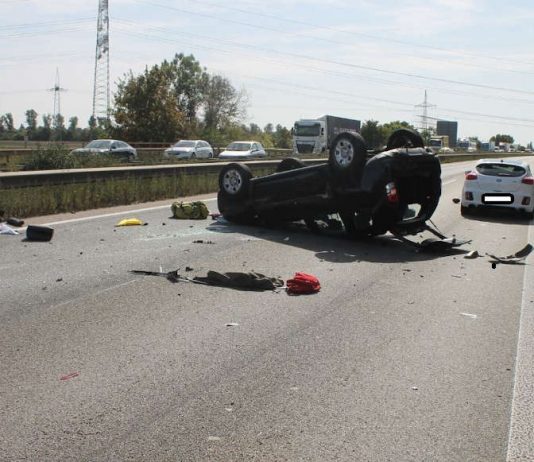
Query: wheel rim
(232, 182)
(344, 153)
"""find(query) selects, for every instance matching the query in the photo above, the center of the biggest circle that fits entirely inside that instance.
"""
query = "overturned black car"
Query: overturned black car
(395, 190)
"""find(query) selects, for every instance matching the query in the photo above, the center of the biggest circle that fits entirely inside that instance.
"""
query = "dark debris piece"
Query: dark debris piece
(437, 245)
(244, 281)
(517, 258)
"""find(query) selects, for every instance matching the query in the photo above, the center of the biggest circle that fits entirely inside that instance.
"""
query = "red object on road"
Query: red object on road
(69, 376)
(303, 283)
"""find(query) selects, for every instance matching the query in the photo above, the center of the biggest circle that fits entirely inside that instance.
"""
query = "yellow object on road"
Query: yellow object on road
(130, 222)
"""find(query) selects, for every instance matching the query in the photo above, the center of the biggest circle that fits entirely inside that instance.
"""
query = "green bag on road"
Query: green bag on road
(190, 210)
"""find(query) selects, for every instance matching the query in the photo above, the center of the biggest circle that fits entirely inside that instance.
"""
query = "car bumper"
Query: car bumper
(517, 204)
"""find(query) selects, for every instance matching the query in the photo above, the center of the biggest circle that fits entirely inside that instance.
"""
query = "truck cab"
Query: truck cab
(309, 136)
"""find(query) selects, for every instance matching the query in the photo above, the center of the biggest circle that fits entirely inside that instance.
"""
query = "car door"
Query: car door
(203, 149)
(260, 152)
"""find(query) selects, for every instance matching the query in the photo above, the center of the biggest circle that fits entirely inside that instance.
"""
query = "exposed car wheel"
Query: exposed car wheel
(289, 163)
(347, 154)
(405, 138)
(234, 180)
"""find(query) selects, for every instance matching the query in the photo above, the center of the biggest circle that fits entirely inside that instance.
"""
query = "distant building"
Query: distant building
(448, 128)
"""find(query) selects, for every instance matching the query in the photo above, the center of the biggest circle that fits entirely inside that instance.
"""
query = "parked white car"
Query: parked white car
(499, 184)
(243, 150)
(189, 149)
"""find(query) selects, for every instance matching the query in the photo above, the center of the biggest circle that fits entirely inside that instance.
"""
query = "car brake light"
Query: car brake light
(471, 176)
(528, 180)
(391, 193)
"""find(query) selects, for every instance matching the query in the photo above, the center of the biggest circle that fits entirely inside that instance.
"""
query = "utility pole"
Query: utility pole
(101, 94)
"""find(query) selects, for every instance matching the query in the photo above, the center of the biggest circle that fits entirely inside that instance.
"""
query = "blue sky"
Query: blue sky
(296, 59)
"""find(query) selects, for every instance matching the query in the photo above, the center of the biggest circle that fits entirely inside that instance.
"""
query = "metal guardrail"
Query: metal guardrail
(56, 177)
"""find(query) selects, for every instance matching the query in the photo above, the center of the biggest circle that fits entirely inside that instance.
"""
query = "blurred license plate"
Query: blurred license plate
(497, 198)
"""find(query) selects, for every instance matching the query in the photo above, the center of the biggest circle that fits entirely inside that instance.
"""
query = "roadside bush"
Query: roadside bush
(58, 157)
(51, 158)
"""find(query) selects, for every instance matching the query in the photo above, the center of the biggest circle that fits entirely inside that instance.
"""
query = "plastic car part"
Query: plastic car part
(39, 233)
(405, 138)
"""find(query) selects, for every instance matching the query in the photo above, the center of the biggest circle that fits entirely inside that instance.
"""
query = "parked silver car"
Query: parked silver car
(189, 149)
(243, 150)
(113, 147)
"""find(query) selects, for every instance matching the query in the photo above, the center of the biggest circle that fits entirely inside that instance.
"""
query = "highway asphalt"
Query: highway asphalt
(402, 355)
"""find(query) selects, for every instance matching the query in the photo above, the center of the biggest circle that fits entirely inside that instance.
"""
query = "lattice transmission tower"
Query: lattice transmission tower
(427, 122)
(101, 107)
(57, 89)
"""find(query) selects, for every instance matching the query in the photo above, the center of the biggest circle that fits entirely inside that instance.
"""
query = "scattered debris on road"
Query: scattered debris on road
(303, 283)
(469, 315)
(202, 241)
(72, 375)
(242, 281)
(197, 210)
(232, 324)
(440, 243)
(15, 222)
(131, 222)
(456, 200)
(517, 258)
(472, 255)
(39, 233)
(7, 230)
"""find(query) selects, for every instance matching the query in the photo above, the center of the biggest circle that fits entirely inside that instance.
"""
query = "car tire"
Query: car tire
(289, 163)
(347, 155)
(234, 180)
(405, 138)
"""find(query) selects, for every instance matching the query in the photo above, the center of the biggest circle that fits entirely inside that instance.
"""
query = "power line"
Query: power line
(256, 13)
(359, 66)
(294, 55)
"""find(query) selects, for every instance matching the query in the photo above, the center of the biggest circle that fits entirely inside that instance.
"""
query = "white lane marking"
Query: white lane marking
(520, 441)
(448, 182)
(114, 214)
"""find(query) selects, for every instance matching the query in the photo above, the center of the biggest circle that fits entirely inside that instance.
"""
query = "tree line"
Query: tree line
(177, 99)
